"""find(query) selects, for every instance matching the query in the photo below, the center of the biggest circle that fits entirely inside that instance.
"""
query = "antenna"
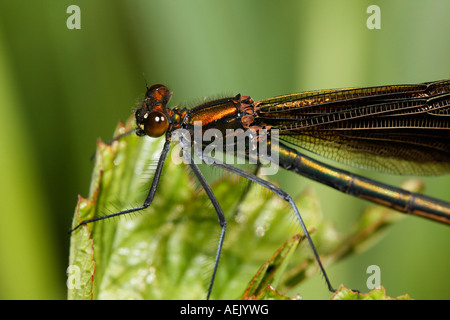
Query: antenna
(145, 80)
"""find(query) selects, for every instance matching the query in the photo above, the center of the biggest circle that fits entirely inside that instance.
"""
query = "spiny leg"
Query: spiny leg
(285, 196)
(220, 216)
(150, 196)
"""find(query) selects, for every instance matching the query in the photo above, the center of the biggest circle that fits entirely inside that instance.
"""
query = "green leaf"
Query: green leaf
(261, 287)
(167, 251)
(376, 294)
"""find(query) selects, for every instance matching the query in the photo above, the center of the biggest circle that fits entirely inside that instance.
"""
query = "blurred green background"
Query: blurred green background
(62, 89)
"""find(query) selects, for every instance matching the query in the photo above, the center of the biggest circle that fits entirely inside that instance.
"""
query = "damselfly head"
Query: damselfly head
(152, 117)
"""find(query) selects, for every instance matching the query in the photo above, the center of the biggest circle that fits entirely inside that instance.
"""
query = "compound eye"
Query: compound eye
(156, 124)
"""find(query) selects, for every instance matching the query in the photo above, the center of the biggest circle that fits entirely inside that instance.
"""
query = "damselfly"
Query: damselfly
(397, 129)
